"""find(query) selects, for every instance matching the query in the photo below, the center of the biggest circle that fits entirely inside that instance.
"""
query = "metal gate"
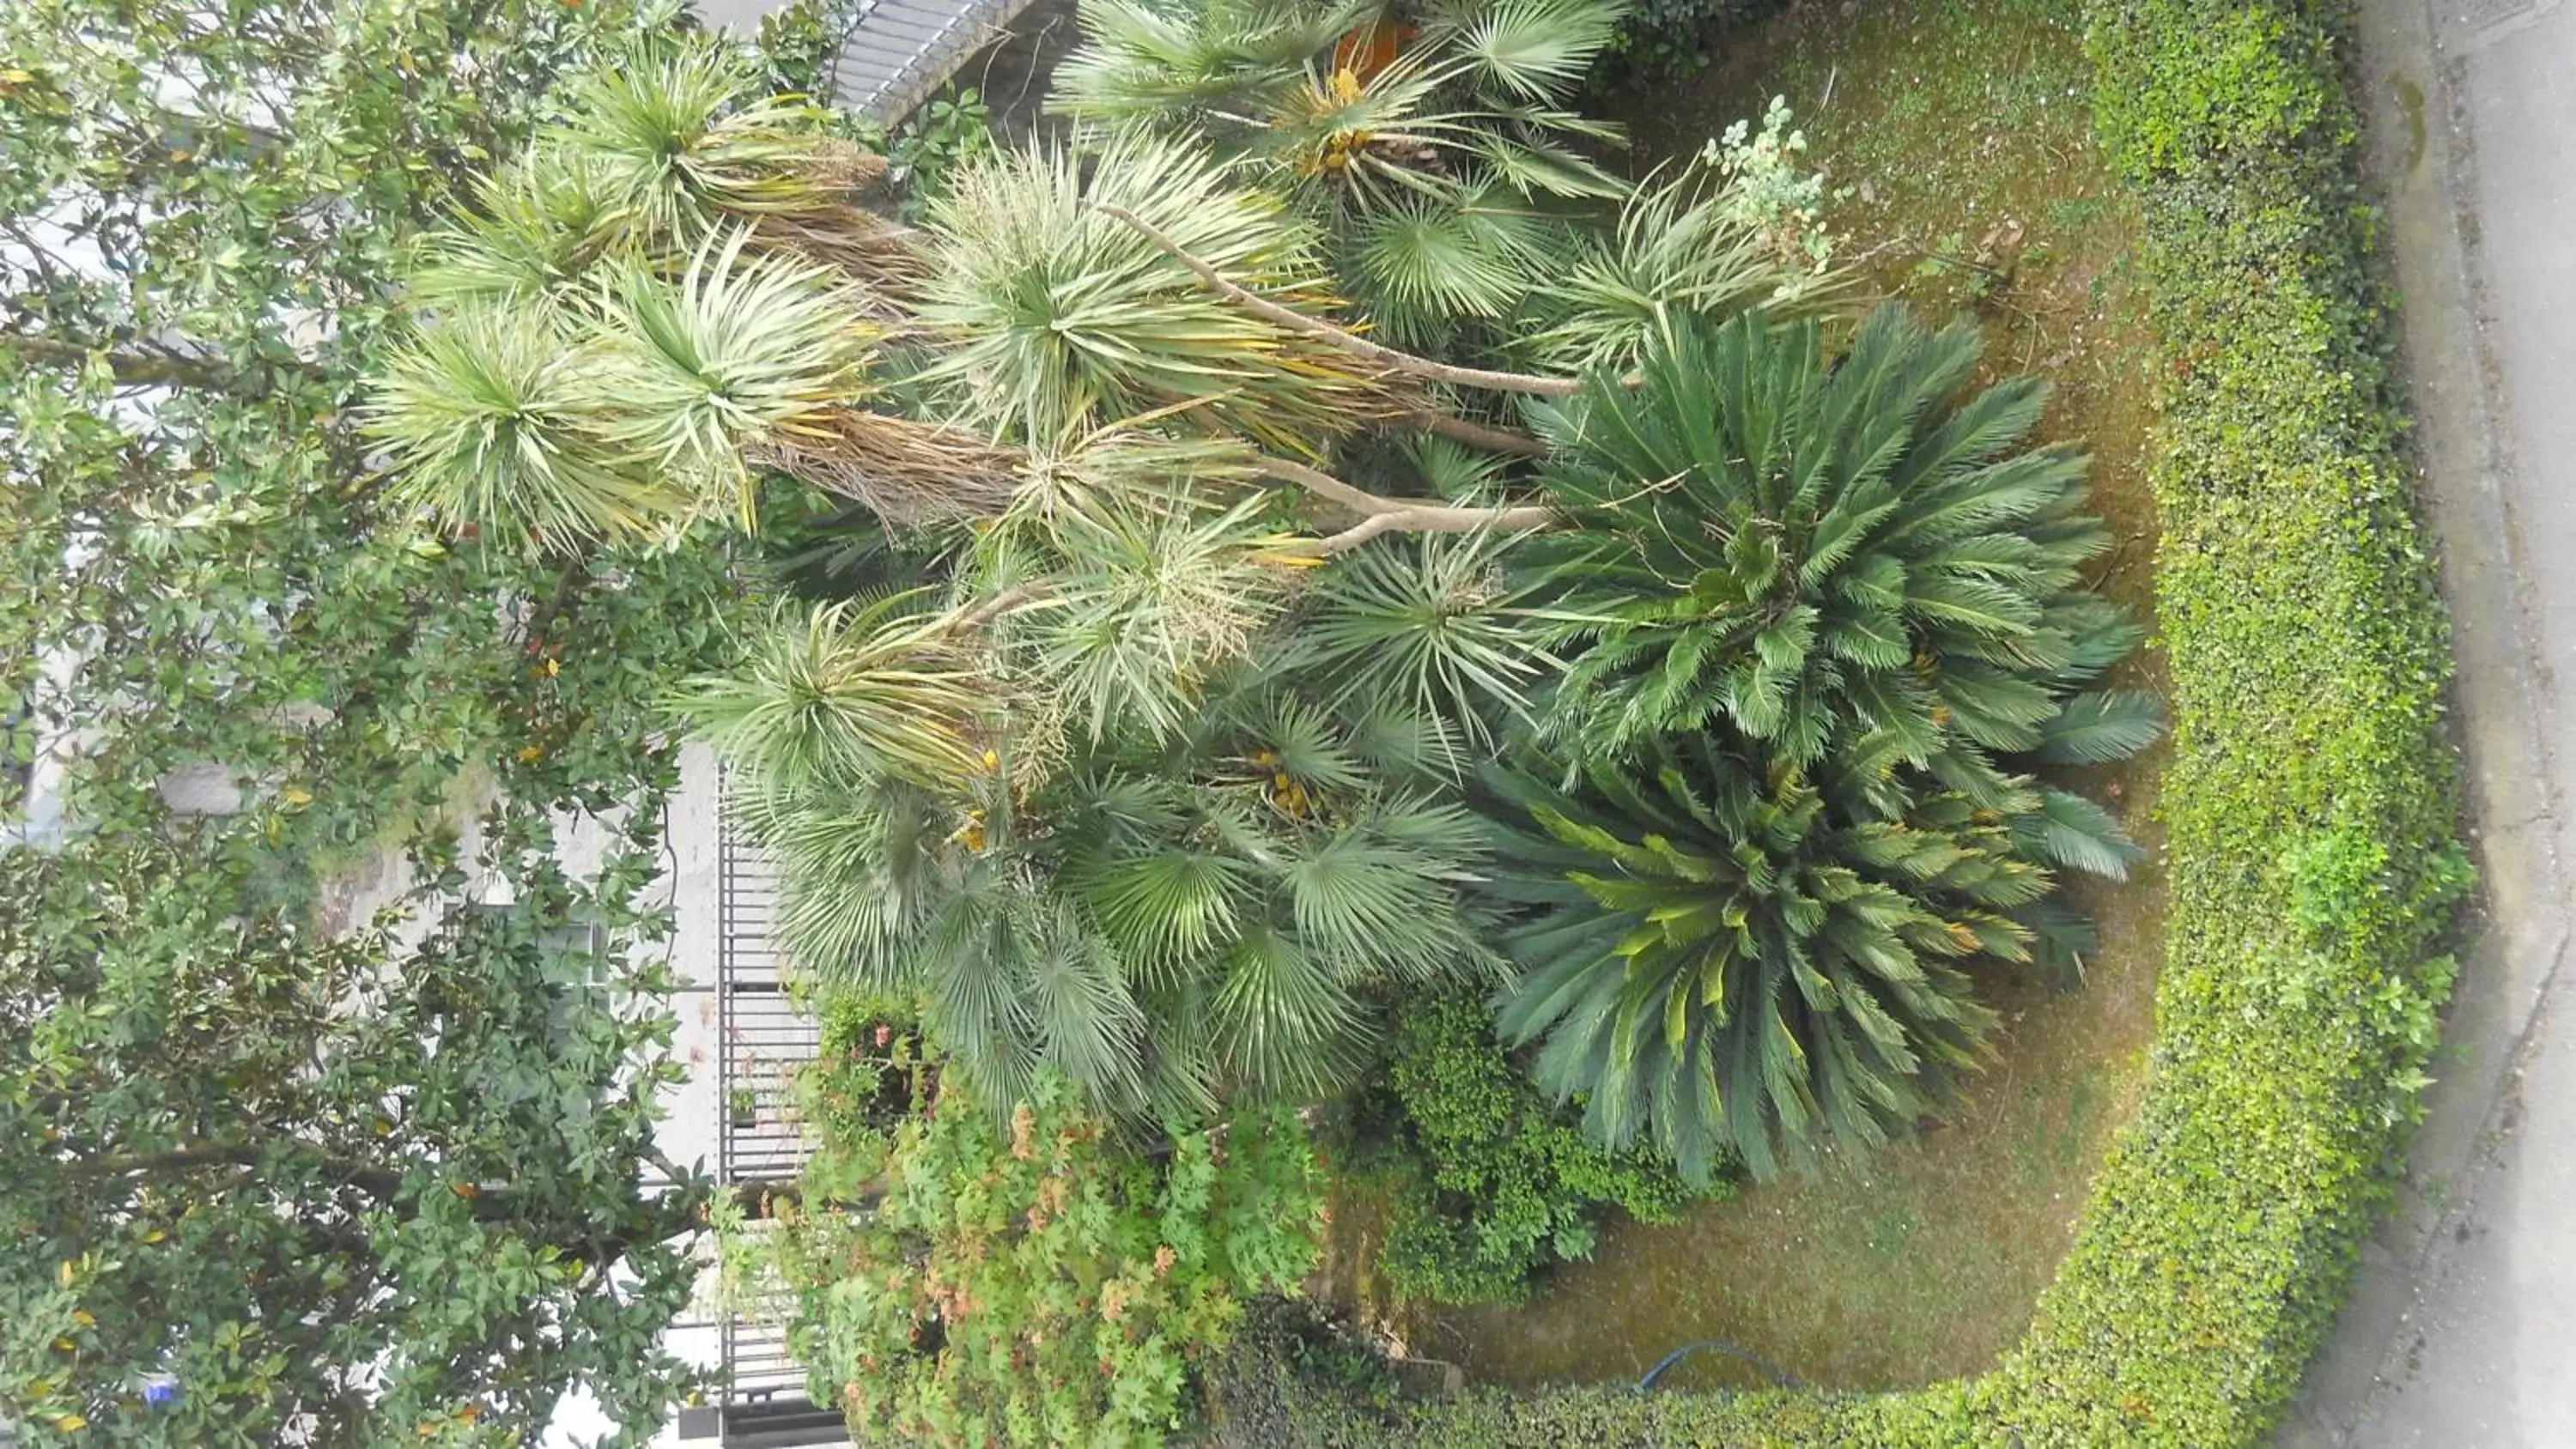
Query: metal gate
(762, 1037)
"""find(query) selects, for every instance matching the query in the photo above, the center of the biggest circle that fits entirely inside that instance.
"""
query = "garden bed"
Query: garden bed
(1959, 138)
(2310, 804)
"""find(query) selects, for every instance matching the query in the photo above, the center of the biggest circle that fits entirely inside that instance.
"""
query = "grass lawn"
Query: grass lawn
(1960, 137)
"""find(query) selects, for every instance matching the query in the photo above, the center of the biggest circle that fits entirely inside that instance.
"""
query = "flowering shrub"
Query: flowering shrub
(1038, 1281)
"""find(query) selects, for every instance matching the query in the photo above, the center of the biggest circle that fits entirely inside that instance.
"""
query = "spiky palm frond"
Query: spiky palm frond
(737, 349)
(1822, 556)
(496, 421)
(839, 695)
(1678, 252)
(1433, 624)
(680, 134)
(1726, 964)
(1053, 317)
(1537, 50)
(536, 227)
(1144, 610)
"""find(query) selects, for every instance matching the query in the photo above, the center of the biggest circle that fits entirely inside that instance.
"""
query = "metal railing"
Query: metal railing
(761, 1038)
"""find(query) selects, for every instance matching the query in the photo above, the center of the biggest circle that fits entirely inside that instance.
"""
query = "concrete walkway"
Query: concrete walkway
(2461, 1331)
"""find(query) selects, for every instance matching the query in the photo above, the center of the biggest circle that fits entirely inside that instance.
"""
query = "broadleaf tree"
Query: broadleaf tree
(397, 1186)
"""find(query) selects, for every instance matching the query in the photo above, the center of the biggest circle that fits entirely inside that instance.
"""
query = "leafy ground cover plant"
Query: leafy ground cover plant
(1036, 1281)
(1492, 1182)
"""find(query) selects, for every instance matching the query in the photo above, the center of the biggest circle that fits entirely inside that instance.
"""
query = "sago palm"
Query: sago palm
(1727, 963)
(1828, 554)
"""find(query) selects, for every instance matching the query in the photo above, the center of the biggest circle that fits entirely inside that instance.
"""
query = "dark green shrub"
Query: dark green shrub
(1674, 36)
(1493, 1183)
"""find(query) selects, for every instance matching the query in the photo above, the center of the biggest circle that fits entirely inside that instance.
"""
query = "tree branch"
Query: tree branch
(1399, 515)
(1000, 604)
(1476, 435)
(1433, 518)
(1342, 338)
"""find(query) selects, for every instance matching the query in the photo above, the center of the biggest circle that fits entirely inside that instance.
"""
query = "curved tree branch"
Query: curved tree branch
(1323, 331)
(1398, 515)
(1476, 435)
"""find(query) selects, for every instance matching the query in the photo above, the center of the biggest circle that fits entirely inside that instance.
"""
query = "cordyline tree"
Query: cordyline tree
(268, 1187)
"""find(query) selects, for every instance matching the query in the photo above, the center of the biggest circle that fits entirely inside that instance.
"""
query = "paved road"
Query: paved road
(2461, 1332)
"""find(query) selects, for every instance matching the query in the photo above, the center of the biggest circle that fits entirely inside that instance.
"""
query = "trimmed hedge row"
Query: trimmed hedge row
(2311, 803)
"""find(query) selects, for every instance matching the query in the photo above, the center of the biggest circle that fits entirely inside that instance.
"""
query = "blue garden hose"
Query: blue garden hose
(1779, 1375)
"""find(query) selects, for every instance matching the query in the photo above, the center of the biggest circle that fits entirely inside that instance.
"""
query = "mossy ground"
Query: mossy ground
(1959, 138)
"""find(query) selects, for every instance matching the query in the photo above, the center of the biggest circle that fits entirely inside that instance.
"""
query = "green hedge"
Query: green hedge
(2310, 806)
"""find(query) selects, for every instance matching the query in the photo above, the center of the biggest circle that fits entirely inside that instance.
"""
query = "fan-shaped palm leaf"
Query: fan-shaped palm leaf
(1538, 50)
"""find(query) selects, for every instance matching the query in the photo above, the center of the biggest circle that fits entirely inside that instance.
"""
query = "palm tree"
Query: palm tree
(1167, 925)
(1432, 143)
(1051, 317)
(1727, 961)
(1825, 555)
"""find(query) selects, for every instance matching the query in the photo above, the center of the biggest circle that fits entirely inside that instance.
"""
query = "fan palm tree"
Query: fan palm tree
(1823, 554)
(1726, 962)
(1432, 143)
(1165, 925)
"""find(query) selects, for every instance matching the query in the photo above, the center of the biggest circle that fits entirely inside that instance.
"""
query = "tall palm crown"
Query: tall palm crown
(1432, 141)
(1722, 959)
(1827, 554)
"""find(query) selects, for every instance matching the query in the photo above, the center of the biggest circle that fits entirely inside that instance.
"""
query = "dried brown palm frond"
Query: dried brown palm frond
(906, 472)
(843, 166)
(883, 257)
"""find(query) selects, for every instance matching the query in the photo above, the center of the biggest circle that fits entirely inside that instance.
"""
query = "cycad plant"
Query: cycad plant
(1826, 553)
(1822, 614)
(1726, 963)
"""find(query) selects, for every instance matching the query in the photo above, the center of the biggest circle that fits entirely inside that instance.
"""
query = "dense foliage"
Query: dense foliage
(2310, 807)
(1117, 792)
(389, 1186)
(1814, 613)
(303, 1183)
(1038, 1282)
(1491, 1182)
